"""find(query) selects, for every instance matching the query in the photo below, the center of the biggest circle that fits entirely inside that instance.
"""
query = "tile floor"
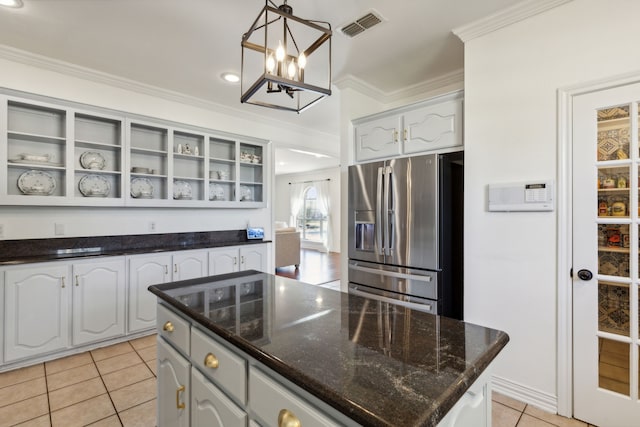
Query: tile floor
(111, 386)
(116, 386)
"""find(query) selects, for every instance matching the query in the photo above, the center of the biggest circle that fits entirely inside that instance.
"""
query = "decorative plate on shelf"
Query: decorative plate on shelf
(35, 162)
(36, 183)
(92, 160)
(216, 192)
(182, 190)
(141, 188)
(94, 186)
(245, 194)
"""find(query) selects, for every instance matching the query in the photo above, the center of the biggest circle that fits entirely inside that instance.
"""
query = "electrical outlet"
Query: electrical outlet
(152, 226)
(1, 230)
(59, 229)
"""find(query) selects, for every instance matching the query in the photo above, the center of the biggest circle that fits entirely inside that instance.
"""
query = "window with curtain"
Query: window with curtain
(311, 219)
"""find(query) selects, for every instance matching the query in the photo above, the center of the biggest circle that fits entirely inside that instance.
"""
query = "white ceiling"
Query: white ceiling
(185, 45)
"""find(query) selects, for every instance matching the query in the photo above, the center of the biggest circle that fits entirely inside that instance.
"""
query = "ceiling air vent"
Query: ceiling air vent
(359, 25)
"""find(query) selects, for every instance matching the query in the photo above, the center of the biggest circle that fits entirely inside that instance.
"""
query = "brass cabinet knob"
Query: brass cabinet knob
(286, 418)
(168, 327)
(210, 361)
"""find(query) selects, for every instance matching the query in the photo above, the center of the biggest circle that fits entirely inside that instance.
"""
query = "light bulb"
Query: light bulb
(292, 69)
(280, 52)
(271, 64)
(302, 60)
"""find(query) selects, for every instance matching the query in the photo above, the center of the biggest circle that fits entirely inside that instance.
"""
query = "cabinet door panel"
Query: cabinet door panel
(190, 265)
(36, 311)
(173, 387)
(210, 407)
(253, 257)
(144, 272)
(377, 139)
(436, 126)
(222, 261)
(98, 301)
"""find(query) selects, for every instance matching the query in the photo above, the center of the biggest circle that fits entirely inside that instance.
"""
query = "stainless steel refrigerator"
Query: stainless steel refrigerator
(406, 232)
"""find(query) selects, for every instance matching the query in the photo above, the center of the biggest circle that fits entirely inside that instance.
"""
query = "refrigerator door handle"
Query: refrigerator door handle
(379, 212)
(387, 195)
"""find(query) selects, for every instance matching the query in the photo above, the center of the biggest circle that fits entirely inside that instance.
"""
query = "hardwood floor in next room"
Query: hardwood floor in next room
(315, 267)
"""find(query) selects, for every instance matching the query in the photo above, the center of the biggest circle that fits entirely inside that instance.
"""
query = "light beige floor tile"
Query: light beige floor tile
(140, 416)
(21, 375)
(148, 341)
(116, 363)
(508, 401)
(21, 391)
(503, 416)
(112, 421)
(529, 421)
(134, 394)
(43, 421)
(111, 351)
(83, 413)
(553, 418)
(68, 362)
(153, 365)
(127, 376)
(148, 353)
(24, 411)
(76, 393)
(71, 376)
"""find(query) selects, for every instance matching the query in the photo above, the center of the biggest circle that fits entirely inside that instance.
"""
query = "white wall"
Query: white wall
(282, 203)
(40, 76)
(511, 81)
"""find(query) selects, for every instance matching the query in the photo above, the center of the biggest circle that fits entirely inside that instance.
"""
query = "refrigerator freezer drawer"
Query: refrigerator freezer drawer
(401, 280)
(414, 303)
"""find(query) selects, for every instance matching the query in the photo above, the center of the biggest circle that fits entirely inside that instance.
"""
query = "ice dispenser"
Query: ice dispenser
(365, 230)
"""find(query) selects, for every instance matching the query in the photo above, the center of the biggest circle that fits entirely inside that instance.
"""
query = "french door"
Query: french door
(606, 220)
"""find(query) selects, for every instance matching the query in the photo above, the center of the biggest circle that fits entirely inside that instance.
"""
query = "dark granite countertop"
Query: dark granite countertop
(25, 251)
(378, 363)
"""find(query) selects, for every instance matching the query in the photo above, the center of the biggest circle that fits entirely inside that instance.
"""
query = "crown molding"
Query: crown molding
(503, 18)
(417, 90)
(89, 74)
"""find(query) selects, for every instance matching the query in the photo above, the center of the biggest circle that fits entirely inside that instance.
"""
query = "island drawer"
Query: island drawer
(222, 366)
(173, 328)
(272, 402)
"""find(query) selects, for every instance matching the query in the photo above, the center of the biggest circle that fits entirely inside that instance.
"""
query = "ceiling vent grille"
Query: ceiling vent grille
(359, 25)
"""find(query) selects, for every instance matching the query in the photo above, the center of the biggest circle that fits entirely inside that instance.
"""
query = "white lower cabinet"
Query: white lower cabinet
(210, 407)
(234, 258)
(474, 407)
(98, 300)
(173, 387)
(147, 270)
(36, 309)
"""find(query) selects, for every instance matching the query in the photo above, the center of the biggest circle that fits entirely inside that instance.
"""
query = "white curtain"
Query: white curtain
(324, 204)
(296, 199)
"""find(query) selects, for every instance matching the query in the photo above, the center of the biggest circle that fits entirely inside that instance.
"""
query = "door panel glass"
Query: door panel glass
(613, 308)
(613, 133)
(613, 249)
(613, 191)
(613, 369)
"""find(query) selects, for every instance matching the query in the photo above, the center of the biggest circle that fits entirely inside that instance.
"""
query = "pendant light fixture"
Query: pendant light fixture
(286, 60)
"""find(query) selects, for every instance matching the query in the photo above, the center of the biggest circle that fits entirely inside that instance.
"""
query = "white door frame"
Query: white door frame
(565, 235)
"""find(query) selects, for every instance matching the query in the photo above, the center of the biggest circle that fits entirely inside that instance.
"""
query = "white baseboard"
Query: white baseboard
(540, 399)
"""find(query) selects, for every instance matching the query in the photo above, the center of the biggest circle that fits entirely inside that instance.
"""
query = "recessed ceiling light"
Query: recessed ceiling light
(230, 77)
(11, 3)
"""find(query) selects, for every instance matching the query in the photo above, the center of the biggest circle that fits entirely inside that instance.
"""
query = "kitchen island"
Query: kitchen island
(255, 348)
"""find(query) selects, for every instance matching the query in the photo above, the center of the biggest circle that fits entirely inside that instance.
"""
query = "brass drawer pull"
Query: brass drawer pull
(210, 361)
(168, 327)
(286, 418)
(178, 404)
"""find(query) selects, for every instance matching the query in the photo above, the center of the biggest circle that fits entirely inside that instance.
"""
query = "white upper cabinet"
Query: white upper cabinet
(59, 155)
(432, 125)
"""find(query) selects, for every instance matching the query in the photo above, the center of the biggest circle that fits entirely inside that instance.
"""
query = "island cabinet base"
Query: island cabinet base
(203, 380)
